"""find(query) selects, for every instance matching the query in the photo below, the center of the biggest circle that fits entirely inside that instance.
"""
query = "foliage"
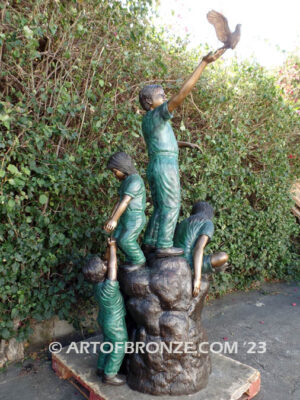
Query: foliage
(69, 79)
(289, 82)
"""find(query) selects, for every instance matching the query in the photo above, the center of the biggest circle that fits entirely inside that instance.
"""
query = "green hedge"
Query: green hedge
(71, 72)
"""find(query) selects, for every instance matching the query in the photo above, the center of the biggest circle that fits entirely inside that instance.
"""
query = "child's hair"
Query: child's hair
(203, 209)
(122, 162)
(95, 269)
(145, 96)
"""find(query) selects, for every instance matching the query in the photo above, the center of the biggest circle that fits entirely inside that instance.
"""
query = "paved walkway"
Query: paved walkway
(270, 315)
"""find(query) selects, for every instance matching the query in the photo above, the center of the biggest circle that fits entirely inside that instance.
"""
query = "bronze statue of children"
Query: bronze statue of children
(163, 171)
(193, 234)
(128, 216)
(111, 316)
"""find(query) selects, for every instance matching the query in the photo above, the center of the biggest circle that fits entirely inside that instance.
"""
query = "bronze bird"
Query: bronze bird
(230, 39)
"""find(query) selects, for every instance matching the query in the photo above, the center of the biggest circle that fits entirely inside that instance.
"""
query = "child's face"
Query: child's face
(158, 98)
(118, 174)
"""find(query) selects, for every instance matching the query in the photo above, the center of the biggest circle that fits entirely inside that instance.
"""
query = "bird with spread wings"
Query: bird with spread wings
(230, 39)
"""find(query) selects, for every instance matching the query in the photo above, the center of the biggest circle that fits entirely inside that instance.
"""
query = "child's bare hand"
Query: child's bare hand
(110, 225)
(211, 57)
(111, 242)
(196, 287)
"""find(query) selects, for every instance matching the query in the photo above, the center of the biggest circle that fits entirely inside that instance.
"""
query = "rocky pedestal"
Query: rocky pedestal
(159, 299)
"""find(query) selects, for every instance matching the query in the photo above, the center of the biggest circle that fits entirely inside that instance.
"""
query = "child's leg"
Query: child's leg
(102, 357)
(127, 240)
(206, 266)
(150, 237)
(118, 337)
(168, 198)
(214, 262)
(151, 233)
(218, 260)
(167, 223)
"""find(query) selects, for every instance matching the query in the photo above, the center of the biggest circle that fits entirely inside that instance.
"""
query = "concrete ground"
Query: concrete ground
(261, 327)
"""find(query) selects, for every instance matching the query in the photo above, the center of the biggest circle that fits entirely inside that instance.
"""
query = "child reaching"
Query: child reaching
(128, 216)
(163, 171)
(111, 316)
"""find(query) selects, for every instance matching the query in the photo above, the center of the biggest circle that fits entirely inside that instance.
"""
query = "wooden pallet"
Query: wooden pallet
(64, 372)
(230, 379)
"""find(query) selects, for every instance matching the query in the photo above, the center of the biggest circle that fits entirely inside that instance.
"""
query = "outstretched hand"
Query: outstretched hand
(110, 225)
(111, 241)
(211, 57)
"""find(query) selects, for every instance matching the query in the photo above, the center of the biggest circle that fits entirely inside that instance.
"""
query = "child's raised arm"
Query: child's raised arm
(112, 262)
(188, 85)
(118, 211)
(198, 261)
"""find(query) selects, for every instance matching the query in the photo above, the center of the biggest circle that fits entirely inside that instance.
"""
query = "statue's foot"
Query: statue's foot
(221, 268)
(169, 252)
(100, 372)
(116, 380)
(219, 259)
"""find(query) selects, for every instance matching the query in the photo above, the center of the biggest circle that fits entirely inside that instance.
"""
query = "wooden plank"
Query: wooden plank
(63, 372)
(254, 388)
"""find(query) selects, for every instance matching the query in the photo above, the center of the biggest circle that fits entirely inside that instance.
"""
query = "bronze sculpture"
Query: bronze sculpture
(163, 171)
(230, 39)
(165, 315)
(163, 297)
(128, 213)
(111, 316)
(193, 234)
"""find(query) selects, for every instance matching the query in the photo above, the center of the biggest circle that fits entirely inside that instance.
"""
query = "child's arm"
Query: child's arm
(118, 211)
(188, 85)
(198, 261)
(106, 254)
(112, 262)
(115, 208)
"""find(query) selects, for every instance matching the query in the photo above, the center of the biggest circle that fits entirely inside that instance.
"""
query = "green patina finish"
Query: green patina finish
(187, 234)
(133, 220)
(133, 185)
(111, 318)
(158, 132)
(163, 176)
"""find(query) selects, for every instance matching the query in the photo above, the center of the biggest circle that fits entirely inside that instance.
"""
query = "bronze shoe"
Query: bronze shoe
(115, 380)
(169, 252)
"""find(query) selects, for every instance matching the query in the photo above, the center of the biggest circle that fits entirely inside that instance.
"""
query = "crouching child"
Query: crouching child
(192, 235)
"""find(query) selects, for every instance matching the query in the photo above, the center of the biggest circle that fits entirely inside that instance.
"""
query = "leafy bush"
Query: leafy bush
(289, 82)
(69, 80)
